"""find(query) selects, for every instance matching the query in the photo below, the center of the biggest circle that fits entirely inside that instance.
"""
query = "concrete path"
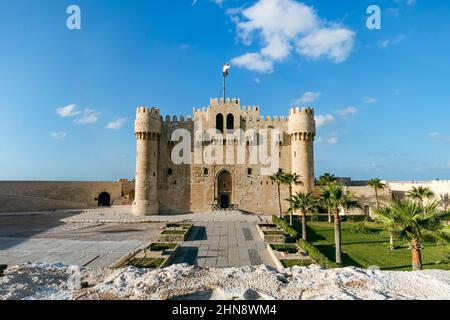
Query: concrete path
(44, 238)
(90, 254)
(122, 214)
(220, 239)
(224, 244)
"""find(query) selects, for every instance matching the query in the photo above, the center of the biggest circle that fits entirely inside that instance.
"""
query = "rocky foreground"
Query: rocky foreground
(43, 281)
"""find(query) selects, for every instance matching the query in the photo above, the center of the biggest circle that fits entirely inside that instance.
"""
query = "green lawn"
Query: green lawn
(364, 250)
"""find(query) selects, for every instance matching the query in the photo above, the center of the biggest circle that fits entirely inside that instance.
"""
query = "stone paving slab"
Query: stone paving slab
(224, 244)
(122, 214)
(66, 251)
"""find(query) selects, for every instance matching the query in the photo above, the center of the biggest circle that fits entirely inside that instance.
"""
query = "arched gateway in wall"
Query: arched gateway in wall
(224, 189)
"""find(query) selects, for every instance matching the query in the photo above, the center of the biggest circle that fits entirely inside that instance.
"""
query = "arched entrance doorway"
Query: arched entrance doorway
(224, 189)
(104, 199)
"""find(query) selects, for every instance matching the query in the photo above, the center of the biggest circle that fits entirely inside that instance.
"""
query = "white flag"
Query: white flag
(226, 67)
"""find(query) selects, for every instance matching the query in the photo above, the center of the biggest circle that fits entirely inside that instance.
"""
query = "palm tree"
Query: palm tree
(445, 201)
(335, 199)
(413, 221)
(278, 178)
(304, 202)
(385, 215)
(420, 194)
(376, 185)
(326, 179)
(325, 199)
(349, 203)
(291, 179)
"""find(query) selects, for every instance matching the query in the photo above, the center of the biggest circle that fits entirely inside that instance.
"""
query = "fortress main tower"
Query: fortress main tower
(147, 131)
(164, 187)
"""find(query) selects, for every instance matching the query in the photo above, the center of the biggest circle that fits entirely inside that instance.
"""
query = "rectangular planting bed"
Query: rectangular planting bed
(271, 233)
(155, 256)
(288, 255)
(175, 232)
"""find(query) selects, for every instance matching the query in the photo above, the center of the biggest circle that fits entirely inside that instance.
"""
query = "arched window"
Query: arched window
(219, 122)
(230, 122)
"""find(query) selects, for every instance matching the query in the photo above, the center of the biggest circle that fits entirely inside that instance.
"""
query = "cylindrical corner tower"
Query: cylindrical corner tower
(147, 131)
(302, 130)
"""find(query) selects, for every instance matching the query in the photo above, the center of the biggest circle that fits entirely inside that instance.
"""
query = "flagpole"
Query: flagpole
(223, 87)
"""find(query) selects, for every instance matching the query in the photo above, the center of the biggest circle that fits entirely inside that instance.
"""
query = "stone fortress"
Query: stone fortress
(164, 187)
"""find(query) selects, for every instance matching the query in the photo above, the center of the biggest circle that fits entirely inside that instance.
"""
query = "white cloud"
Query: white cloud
(88, 116)
(434, 135)
(333, 43)
(218, 2)
(117, 124)
(390, 42)
(370, 100)
(283, 25)
(257, 80)
(324, 119)
(307, 98)
(439, 137)
(333, 140)
(254, 62)
(68, 111)
(348, 111)
(58, 135)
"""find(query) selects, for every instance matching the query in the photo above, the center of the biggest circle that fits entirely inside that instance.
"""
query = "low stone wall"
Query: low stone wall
(33, 196)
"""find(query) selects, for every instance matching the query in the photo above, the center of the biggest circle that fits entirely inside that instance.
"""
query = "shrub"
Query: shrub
(359, 228)
(356, 218)
(287, 248)
(162, 246)
(315, 254)
(285, 226)
(289, 263)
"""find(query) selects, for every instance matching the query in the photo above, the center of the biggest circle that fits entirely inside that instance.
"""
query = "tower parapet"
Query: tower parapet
(302, 131)
(147, 131)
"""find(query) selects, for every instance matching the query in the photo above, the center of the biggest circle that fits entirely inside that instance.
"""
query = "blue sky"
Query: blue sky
(381, 96)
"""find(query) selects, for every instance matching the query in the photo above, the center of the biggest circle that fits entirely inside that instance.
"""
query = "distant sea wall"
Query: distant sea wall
(34, 196)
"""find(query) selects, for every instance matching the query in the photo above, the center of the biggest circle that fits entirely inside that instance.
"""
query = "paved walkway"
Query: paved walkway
(224, 244)
(122, 214)
(90, 254)
(219, 239)
(43, 238)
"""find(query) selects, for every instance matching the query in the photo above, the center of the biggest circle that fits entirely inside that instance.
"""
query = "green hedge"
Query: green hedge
(316, 255)
(285, 226)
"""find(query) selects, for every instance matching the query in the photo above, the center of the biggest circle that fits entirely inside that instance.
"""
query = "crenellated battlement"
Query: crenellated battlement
(222, 101)
(275, 120)
(144, 110)
(175, 120)
(303, 110)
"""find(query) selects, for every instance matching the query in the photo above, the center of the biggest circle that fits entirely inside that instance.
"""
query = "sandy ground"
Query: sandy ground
(43, 281)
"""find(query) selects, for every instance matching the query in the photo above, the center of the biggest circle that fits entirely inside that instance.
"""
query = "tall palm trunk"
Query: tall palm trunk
(290, 216)
(329, 215)
(279, 201)
(304, 225)
(337, 236)
(416, 255)
(376, 198)
(391, 241)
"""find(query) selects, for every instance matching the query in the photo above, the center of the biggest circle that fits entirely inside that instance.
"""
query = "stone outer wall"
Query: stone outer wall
(440, 188)
(33, 196)
(366, 197)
